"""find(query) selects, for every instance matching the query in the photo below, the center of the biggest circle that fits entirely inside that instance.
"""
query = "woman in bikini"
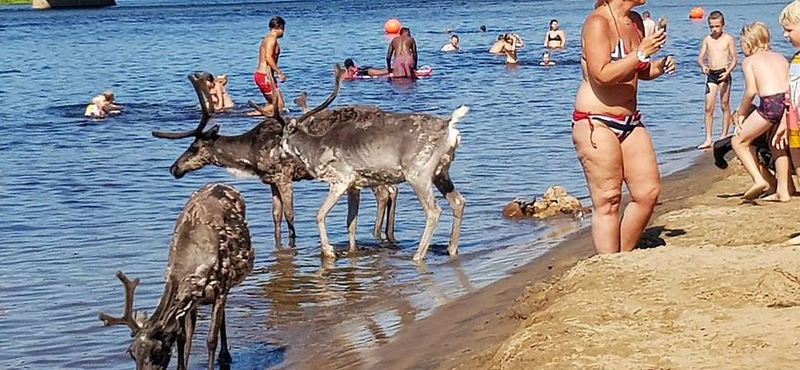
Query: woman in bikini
(766, 75)
(607, 129)
(555, 38)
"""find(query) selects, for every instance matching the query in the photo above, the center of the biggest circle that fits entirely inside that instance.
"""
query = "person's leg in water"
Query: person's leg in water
(641, 176)
(753, 127)
(602, 166)
(725, 104)
(711, 98)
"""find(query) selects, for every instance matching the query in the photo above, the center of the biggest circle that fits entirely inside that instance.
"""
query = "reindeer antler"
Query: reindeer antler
(198, 82)
(127, 316)
(339, 74)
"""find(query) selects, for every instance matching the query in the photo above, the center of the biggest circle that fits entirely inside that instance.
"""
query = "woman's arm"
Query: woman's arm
(563, 38)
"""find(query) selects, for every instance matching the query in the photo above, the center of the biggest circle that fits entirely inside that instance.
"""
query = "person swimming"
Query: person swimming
(498, 45)
(452, 46)
(352, 71)
(102, 106)
(546, 60)
(222, 99)
(510, 47)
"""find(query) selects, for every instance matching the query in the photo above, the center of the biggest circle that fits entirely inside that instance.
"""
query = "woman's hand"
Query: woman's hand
(668, 65)
(653, 43)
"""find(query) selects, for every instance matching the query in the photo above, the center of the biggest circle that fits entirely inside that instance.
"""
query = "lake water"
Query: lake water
(80, 200)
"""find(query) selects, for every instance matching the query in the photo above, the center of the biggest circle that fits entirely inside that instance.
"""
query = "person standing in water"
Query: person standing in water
(268, 73)
(612, 143)
(719, 48)
(555, 38)
(404, 51)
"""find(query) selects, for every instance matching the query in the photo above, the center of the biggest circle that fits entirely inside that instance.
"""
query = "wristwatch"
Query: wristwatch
(642, 58)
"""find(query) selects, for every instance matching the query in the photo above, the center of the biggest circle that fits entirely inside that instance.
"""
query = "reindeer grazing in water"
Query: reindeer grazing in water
(258, 153)
(367, 147)
(209, 254)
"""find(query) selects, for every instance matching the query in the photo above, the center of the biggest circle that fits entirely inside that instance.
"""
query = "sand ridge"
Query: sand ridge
(714, 288)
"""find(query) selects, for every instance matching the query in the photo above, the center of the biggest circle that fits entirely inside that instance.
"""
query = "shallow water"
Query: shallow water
(80, 199)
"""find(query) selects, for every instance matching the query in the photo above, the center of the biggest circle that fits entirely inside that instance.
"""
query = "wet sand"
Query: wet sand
(712, 288)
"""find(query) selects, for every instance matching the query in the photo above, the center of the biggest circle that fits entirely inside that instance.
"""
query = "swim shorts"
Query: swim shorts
(263, 80)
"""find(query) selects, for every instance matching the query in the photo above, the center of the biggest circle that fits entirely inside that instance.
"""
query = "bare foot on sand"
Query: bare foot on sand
(756, 191)
(777, 198)
(707, 144)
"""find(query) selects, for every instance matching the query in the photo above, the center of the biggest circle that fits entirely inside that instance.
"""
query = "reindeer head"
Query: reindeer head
(153, 339)
(198, 153)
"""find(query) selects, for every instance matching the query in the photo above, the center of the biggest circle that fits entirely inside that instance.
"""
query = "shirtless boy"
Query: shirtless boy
(719, 50)
(404, 50)
(268, 70)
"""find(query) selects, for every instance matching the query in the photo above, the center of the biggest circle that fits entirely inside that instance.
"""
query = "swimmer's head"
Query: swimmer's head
(454, 40)
(646, 15)
(277, 24)
(716, 22)
(790, 21)
(546, 57)
(755, 37)
(109, 95)
(501, 37)
(553, 24)
(222, 79)
(482, 28)
(349, 63)
(405, 31)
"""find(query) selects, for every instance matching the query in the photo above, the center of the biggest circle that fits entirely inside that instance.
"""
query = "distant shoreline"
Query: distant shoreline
(15, 2)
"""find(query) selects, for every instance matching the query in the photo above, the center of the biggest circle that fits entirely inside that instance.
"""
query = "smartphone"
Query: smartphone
(662, 23)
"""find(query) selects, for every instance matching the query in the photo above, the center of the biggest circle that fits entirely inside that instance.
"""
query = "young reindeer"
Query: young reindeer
(257, 153)
(366, 147)
(210, 253)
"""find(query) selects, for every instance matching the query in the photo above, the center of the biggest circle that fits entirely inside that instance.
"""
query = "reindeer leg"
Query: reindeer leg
(182, 355)
(457, 203)
(353, 201)
(217, 313)
(287, 196)
(336, 192)
(382, 199)
(277, 208)
(424, 190)
(185, 348)
(224, 354)
(391, 209)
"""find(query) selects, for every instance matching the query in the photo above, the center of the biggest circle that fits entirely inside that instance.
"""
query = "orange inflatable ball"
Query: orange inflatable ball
(697, 13)
(392, 26)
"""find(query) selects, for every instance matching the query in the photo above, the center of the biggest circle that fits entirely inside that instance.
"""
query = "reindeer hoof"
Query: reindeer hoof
(418, 257)
(225, 357)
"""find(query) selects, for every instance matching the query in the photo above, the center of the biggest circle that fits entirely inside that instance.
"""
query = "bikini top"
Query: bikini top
(551, 38)
(620, 51)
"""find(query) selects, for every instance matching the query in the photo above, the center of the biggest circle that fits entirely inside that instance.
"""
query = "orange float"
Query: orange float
(697, 13)
(392, 26)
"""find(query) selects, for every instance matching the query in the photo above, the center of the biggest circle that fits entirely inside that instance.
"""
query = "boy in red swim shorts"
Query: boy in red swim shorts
(268, 70)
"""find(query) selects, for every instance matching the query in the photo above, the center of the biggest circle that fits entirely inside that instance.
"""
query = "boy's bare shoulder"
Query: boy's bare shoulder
(728, 37)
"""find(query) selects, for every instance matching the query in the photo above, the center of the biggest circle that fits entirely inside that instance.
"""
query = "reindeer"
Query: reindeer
(367, 147)
(258, 153)
(209, 254)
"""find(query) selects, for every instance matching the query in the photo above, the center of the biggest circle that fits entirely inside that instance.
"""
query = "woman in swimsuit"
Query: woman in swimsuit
(766, 75)
(607, 129)
(555, 38)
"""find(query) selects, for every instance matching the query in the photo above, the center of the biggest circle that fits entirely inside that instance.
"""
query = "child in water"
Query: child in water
(766, 75)
(102, 106)
(546, 60)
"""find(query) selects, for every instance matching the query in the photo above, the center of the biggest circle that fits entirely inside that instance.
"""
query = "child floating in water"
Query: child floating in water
(766, 75)
(102, 106)
(222, 100)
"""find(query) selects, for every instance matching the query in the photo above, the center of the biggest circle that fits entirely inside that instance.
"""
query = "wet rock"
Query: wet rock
(554, 202)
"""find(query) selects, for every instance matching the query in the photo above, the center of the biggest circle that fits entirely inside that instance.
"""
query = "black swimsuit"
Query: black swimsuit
(551, 38)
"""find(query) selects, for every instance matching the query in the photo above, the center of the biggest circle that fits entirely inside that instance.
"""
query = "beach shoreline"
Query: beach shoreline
(466, 327)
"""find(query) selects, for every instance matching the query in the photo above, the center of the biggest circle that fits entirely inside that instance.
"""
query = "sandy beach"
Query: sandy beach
(713, 286)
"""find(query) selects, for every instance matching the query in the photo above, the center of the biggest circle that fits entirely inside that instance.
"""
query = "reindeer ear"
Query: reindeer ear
(212, 132)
